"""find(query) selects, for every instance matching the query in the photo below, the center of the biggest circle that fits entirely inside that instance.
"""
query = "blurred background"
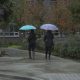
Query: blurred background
(65, 14)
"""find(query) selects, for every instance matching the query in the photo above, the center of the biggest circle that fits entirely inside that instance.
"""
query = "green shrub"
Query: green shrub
(69, 48)
(2, 53)
(64, 47)
(40, 44)
(24, 44)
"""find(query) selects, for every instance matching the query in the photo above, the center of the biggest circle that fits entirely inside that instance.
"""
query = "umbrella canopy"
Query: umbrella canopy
(48, 27)
(27, 27)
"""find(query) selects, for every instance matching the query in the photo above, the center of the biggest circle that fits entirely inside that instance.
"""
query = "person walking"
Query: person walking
(48, 39)
(31, 44)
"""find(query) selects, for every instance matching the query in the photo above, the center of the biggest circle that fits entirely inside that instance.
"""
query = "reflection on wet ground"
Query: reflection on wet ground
(14, 77)
(18, 66)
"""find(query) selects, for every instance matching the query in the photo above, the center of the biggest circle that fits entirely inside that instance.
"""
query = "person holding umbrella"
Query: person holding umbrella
(48, 38)
(31, 39)
(32, 44)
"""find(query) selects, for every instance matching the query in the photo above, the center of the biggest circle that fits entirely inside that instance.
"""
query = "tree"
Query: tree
(6, 6)
(63, 18)
(33, 12)
(75, 12)
(5, 11)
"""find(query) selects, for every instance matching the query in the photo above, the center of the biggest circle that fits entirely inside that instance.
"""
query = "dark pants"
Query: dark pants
(31, 49)
(48, 50)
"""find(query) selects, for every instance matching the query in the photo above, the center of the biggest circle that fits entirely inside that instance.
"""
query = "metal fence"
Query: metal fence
(9, 34)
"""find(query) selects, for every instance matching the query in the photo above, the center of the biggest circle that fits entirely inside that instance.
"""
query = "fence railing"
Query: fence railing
(9, 34)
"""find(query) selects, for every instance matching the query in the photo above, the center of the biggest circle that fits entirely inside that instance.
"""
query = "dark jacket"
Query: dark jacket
(32, 40)
(48, 39)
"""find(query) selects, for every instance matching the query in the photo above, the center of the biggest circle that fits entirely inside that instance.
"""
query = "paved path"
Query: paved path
(17, 66)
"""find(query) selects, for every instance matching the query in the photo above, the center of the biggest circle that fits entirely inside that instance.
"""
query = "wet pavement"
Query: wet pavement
(12, 77)
(17, 66)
